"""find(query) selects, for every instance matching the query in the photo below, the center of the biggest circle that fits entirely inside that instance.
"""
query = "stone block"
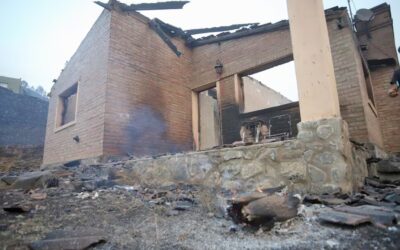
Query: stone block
(305, 136)
(326, 158)
(32, 180)
(308, 155)
(251, 169)
(268, 155)
(324, 131)
(269, 182)
(338, 174)
(232, 155)
(232, 185)
(198, 170)
(230, 169)
(316, 175)
(294, 171)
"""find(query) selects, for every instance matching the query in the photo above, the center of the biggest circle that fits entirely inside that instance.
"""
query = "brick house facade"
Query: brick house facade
(136, 96)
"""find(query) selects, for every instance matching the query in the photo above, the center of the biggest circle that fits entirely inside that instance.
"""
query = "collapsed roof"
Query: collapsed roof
(234, 31)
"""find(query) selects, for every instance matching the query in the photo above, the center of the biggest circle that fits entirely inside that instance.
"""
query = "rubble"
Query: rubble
(377, 203)
(343, 218)
(37, 179)
(388, 166)
(379, 216)
(174, 216)
(37, 195)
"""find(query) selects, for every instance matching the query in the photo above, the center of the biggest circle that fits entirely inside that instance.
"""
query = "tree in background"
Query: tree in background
(39, 89)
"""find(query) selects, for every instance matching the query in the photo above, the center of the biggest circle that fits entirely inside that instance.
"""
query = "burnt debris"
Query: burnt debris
(377, 203)
(218, 29)
(263, 209)
(157, 28)
(113, 4)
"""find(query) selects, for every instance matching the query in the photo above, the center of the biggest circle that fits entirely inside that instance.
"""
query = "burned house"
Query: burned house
(141, 87)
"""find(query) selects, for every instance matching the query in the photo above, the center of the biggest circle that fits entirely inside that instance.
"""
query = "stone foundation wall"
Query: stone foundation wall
(321, 159)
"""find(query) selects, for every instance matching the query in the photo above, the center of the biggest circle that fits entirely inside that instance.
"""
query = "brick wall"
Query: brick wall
(148, 107)
(388, 108)
(88, 67)
(353, 99)
(230, 122)
(240, 56)
(22, 119)
(380, 45)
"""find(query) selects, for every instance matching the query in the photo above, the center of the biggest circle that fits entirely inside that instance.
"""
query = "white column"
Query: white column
(316, 81)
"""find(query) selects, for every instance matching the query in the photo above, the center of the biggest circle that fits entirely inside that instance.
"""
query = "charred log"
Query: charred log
(263, 209)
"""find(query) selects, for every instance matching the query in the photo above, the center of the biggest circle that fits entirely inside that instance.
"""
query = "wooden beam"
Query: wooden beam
(261, 29)
(104, 5)
(217, 29)
(157, 28)
(142, 6)
(159, 6)
(171, 30)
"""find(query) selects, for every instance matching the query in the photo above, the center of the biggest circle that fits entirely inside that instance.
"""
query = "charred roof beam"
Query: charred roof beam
(218, 29)
(240, 33)
(158, 29)
(114, 4)
(159, 6)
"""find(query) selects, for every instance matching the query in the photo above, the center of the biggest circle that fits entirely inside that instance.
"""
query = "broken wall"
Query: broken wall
(259, 96)
(148, 106)
(88, 68)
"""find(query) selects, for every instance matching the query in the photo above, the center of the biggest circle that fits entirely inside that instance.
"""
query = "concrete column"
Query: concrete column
(316, 81)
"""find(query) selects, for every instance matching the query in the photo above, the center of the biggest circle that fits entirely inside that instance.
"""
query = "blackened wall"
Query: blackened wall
(22, 119)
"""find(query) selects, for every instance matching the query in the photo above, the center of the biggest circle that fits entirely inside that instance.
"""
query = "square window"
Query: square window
(67, 103)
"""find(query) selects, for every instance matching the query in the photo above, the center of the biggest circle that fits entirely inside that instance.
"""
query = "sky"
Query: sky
(39, 36)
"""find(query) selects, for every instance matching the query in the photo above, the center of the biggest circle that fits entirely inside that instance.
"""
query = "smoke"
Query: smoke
(147, 134)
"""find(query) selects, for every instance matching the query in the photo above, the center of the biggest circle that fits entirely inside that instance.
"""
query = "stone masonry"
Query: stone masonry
(321, 159)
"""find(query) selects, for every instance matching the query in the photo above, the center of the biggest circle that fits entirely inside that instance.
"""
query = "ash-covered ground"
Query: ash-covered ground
(73, 207)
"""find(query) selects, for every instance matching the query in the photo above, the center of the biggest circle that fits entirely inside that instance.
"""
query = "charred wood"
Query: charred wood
(159, 6)
(157, 28)
(218, 29)
(259, 30)
(142, 6)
